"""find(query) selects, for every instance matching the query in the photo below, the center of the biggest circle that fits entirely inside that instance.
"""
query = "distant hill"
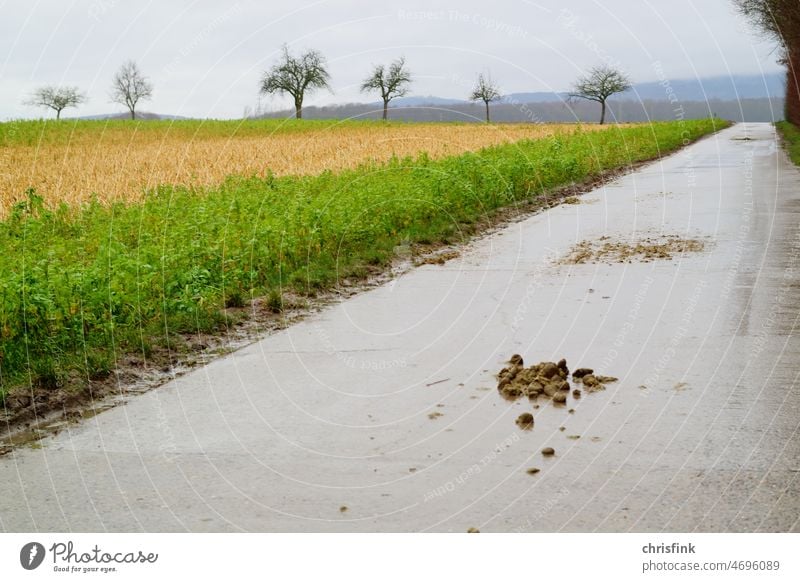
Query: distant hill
(536, 97)
(424, 100)
(625, 110)
(738, 97)
(734, 87)
(144, 115)
(724, 88)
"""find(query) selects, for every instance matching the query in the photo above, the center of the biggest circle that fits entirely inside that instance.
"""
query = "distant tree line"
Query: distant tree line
(297, 76)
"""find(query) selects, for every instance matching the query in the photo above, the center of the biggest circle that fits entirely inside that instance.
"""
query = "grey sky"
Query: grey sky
(205, 57)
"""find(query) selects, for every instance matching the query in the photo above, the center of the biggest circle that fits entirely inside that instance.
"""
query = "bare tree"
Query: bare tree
(296, 76)
(130, 87)
(485, 90)
(390, 83)
(780, 19)
(56, 98)
(600, 84)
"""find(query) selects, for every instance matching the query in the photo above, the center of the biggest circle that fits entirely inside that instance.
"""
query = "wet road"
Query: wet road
(330, 425)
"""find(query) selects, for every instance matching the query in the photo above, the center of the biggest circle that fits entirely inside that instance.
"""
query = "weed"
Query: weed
(791, 139)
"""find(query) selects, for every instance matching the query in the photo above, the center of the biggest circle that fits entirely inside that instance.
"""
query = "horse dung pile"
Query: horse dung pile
(548, 380)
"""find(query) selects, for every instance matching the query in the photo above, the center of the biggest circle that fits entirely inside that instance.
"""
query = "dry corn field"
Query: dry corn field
(120, 161)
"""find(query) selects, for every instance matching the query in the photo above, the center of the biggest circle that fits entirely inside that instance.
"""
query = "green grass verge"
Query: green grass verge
(80, 285)
(791, 139)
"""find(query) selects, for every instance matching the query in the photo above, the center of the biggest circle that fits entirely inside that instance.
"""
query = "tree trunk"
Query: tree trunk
(58, 114)
(793, 86)
(298, 108)
(487, 111)
(602, 112)
(133, 113)
(385, 110)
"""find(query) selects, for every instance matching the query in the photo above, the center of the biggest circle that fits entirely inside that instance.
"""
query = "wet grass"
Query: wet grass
(791, 139)
(82, 286)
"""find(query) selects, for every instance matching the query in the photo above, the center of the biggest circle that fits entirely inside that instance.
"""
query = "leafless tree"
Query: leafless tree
(485, 90)
(392, 82)
(56, 98)
(780, 19)
(296, 76)
(600, 84)
(130, 87)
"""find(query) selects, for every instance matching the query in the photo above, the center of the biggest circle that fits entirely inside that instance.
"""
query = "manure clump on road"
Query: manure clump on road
(606, 250)
(544, 378)
(525, 421)
(593, 383)
(547, 380)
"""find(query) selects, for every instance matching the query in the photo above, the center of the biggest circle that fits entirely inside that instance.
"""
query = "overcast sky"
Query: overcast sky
(205, 57)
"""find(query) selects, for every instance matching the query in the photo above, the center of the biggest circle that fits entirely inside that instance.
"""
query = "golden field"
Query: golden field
(72, 162)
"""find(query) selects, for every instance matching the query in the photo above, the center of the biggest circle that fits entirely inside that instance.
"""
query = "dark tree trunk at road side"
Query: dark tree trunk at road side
(793, 87)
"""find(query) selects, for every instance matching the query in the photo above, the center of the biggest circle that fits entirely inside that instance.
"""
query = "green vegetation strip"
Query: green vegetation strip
(791, 139)
(80, 286)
